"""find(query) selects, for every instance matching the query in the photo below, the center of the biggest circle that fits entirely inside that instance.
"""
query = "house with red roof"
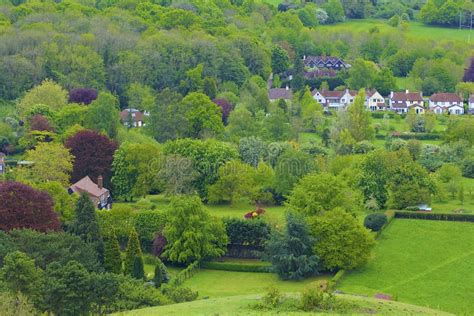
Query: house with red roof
(133, 118)
(402, 102)
(99, 195)
(450, 103)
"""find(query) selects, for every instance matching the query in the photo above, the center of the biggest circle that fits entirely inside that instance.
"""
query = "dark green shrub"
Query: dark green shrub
(138, 271)
(147, 223)
(311, 299)
(179, 294)
(436, 216)
(468, 168)
(375, 222)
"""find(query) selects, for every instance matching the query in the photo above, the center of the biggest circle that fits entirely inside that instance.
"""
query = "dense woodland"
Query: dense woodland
(212, 138)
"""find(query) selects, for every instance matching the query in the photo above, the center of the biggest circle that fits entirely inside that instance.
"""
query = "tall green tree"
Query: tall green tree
(132, 251)
(191, 233)
(203, 115)
(86, 226)
(314, 194)
(291, 252)
(112, 257)
(21, 275)
(359, 119)
(103, 115)
(342, 241)
(280, 60)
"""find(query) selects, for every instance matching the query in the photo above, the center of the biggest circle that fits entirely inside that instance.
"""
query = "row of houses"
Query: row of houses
(399, 102)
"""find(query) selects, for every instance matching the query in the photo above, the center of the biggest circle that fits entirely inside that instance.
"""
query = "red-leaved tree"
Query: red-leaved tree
(82, 95)
(21, 206)
(93, 154)
(226, 108)
(40, 123)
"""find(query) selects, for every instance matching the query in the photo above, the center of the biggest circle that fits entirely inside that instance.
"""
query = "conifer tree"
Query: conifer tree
(158, 278)
(138, 271)
(86, 226)
(112, 259)
(133, 250)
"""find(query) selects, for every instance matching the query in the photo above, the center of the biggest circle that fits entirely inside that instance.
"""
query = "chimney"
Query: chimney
(287, 88)
(304, 57)
(100, 182)
(407, 91)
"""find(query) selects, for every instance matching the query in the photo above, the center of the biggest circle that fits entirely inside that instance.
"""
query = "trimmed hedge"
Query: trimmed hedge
(236, 267)
(436, 216)
(185, 274)
(419, 136)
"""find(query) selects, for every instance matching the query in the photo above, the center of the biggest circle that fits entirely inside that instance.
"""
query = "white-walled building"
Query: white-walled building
(401, 102)
(446, 103)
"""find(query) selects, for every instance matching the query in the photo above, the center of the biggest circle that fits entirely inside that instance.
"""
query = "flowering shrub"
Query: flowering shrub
(255, 214)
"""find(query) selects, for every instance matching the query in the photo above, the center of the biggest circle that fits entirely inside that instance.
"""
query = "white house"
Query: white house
(417, 108)
(133, 117)
(334, 100)
(401, 102)
(456, 110)
(374, 100)
(446, 103)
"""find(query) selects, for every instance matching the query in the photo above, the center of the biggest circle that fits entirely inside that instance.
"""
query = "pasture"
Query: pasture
(427, 263)
(242, 305)
(415, 30)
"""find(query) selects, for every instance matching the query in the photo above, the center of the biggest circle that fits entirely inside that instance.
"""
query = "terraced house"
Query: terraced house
(402, 102)
(450, 103)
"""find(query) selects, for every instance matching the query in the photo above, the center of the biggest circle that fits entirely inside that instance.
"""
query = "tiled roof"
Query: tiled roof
(410, 96)
(320, 73)
(137, 116)
(87, 185)
(280, 93)
(471, 98)
(445, 97)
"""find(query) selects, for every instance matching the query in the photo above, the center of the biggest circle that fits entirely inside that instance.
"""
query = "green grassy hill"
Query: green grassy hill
(241, 305)
(422, 262)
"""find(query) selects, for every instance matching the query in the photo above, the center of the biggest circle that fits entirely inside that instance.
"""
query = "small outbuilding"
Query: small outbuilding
(99, 195)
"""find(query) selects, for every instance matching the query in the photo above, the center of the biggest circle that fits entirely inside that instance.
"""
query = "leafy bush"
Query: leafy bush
(242, 232)
(314, 300)
(273, 297)
(147, 224)
(468, 168)
(179, 294)
(375, 222)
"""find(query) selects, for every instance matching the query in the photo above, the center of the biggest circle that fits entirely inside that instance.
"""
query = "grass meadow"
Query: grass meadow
(414, 30)
(422, 262)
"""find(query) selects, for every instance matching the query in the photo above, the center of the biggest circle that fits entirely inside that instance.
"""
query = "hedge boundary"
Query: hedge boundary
(236, 267)
(435, 216)
(185, 274)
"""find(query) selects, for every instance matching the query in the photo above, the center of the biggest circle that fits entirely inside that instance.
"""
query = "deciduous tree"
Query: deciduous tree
(24, 207)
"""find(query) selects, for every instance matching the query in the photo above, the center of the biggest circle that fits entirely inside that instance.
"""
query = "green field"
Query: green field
(427, 263)
(214, 283)
(415, 30)
(241, 305)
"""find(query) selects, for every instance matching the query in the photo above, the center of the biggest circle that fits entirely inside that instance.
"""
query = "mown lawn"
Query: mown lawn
(453, 205)
(242, 305)
(415, 29)
(214, 283)
(427, 263)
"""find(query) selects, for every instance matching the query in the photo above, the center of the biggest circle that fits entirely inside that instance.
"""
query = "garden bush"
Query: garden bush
(179, 294)
(147, 224)
(375, 222)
